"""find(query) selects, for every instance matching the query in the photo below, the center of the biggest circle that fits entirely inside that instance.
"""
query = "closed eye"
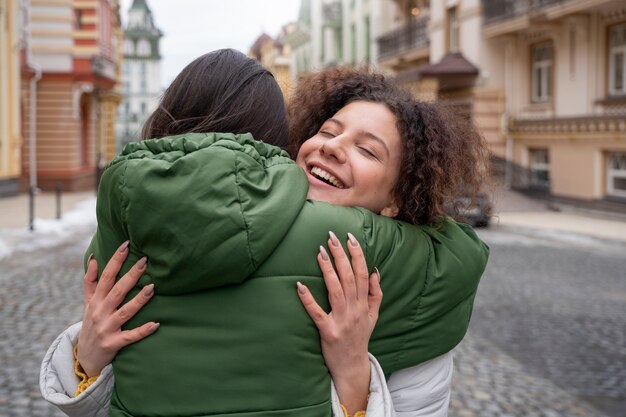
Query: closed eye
(328, 133)
(368, 152)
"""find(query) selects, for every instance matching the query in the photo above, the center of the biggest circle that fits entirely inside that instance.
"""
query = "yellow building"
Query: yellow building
(274, 54)
(10, 114)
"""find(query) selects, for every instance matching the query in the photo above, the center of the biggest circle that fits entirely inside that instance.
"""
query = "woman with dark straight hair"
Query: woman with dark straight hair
(238, 88)
(221, 233)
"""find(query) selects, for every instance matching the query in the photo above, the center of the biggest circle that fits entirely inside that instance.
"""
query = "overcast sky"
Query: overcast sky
(194, 27)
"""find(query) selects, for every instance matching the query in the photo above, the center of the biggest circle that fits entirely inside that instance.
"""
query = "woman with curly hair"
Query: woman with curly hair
(220, 228)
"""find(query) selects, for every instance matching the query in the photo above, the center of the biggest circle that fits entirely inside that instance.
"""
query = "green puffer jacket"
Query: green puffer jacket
(227, 231)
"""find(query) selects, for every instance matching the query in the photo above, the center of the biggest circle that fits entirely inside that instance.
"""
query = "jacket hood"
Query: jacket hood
(205, 208)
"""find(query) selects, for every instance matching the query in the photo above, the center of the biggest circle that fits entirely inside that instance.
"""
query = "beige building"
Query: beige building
(10, 112)
(338, 32)
(543, 79)
(75, 45)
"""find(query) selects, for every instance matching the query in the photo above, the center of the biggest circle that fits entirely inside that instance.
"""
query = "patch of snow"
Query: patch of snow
(49, 232)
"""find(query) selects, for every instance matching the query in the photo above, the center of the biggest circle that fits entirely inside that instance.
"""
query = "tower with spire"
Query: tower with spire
(141, 72)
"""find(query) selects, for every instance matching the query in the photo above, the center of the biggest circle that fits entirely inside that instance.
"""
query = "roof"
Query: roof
(451, 64)
(140, 4)
(255, 49)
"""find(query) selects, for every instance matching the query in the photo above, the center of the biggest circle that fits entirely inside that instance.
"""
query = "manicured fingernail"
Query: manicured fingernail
(353, 240)
(301, 288)
(90, 258)
(154, 327)
(333, 239)
(141, 264)
(148, 290)
(377, 273)
(122, 249)
(324, 253)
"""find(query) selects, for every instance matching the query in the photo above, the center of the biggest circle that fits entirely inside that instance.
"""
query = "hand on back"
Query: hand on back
(355, 298)
(101, 335)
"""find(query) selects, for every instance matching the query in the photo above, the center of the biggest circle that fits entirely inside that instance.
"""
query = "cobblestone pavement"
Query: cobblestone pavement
(548, 333)
(547, 338)
(41, 295)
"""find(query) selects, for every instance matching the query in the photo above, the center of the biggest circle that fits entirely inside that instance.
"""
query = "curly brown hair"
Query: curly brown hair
(443, 154)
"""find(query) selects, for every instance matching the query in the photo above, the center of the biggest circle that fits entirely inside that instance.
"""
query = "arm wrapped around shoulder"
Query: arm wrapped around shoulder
(429, 277)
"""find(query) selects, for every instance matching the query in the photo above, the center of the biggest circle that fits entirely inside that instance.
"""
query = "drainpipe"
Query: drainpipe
(32, 151)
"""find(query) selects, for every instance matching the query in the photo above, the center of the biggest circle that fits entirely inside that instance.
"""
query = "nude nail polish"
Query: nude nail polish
(141, 264)
(353, 241)
(123, 247)
(324, 253)
(333, 239)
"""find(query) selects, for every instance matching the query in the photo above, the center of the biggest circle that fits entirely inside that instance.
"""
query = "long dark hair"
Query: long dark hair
(443, 155)
(222, 91)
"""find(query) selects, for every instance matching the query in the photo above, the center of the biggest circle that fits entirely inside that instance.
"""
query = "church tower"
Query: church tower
(141, 73)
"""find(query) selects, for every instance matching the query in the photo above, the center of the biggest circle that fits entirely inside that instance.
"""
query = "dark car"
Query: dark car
(474, 211)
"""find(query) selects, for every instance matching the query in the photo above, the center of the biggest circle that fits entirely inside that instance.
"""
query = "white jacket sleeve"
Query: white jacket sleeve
(379, 403)
(423, 390)
(58, 383)
(419, 391)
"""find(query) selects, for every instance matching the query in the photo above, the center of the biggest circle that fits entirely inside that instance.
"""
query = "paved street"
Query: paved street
(548, 334)
(547, 337)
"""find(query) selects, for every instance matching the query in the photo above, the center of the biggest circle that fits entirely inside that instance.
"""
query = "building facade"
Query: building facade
(563, 68)
(542, 79)
(141, 74)
(338, 32)
(11, 39)
(73, 49)
(275, 55)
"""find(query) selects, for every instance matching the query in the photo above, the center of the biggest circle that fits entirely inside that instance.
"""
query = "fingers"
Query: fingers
(90, 282)
(107, 279)
(375, 296)
(127, 337)
(336, 295)
(128, 310)
(359, 268)
(121, 288)
(343, 267)
(317, 314)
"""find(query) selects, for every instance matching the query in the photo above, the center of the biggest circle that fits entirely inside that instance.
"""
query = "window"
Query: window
(617, 60)
(78, 19)
(143, 109)
(144, 86)
(616, 174)
(126, 67)
(541, 82)
(143, 47)
(539, 168)
(453, 30)
(142, 68)
(128, 47)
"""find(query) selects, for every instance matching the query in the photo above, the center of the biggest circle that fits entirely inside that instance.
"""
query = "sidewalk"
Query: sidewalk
(14, 211)
(513, 209)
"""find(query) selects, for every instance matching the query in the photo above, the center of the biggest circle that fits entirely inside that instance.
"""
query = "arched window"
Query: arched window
(143, 48)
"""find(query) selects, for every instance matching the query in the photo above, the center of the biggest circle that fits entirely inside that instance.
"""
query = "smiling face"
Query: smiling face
(354, 159)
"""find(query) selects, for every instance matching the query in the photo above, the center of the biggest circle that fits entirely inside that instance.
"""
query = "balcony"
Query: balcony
(412, 36)
(612, 124)
(496, 10)
(331, 13)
